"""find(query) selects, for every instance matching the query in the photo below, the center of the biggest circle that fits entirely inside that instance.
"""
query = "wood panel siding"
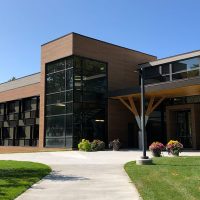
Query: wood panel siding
(122, 64)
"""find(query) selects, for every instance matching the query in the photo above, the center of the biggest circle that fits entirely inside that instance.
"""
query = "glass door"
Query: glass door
(184, 128)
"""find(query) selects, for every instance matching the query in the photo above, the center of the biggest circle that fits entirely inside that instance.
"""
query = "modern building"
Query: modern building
(172, 100)
(90, 89)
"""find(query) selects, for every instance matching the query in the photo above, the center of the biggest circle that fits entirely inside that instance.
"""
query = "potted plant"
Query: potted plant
(156, 148)
(174, 147)
(84, 145)
(97, 145)
(115, 145)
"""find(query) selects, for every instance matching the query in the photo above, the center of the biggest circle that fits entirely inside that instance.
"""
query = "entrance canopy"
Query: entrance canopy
(155, 94)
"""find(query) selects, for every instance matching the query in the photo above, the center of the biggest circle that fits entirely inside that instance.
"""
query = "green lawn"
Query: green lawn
(169, 178)
(16, 177)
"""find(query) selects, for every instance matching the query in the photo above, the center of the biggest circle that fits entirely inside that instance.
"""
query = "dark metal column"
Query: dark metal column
(144, 138)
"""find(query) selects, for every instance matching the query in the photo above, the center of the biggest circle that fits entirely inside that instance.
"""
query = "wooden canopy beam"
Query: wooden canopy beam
(157, 104)
(126, 104)
(133, 107)
(130, 104)
(150, 105)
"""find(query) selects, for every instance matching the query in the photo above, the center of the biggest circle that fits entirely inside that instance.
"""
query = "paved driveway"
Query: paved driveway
(80, 175)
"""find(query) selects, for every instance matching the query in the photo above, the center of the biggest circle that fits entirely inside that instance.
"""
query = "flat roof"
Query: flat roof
(20, 82)
(174, 58)
(96, 40)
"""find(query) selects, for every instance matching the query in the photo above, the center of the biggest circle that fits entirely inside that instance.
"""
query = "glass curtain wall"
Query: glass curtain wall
(90, 99)
(76, 102)
(180, 69)
(59, 103)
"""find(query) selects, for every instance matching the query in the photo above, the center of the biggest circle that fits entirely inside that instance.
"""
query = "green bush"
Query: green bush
(98, 145)
(84, 145)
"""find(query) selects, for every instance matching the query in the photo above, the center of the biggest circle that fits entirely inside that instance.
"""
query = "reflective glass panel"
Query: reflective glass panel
(56, 109)
(186, 65)
(55, 126)
(187, 74)
(55, 66)
(55, 82)
(90, 89)
(55, 142)
(55, 98)
(69, 79)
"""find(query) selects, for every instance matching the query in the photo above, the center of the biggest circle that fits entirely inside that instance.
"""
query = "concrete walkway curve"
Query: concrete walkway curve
(82, 176)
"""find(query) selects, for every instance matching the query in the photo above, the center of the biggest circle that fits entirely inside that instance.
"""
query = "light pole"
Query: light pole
(144, 137)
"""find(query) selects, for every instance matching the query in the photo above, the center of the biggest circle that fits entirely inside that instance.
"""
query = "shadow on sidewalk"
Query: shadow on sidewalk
(56, 176)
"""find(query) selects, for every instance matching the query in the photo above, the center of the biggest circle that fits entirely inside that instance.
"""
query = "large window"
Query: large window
(59, 103)
(19, 122)
(185, 68)
(172, 71)
(75, 101)
(90, 89)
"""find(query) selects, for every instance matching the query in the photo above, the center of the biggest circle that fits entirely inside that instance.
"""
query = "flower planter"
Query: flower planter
(115, 145)
(174, 154)
(174, 147)
(156, 148)
(156, 153)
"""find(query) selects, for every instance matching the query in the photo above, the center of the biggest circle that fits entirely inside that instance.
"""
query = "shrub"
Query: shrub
(97, 145)
(84, 145)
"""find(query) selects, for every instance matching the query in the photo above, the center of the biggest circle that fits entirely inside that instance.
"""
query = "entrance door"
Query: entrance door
(132, 135)
(184, 127)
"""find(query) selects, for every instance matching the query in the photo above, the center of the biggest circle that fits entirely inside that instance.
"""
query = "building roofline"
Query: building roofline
(71, 33)
(180, 54)
(98, 41)
(169, 59)
(20, 78)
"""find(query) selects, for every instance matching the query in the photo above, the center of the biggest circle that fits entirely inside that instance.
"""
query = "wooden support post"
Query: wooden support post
(131, 106)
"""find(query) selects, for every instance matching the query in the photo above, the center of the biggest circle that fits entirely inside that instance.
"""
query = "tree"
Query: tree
(12, 79)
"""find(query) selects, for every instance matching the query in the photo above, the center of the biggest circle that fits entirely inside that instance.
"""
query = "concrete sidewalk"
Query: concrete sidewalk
(81, 175)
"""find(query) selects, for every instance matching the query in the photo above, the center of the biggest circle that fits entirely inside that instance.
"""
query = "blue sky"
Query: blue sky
(158, 27)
